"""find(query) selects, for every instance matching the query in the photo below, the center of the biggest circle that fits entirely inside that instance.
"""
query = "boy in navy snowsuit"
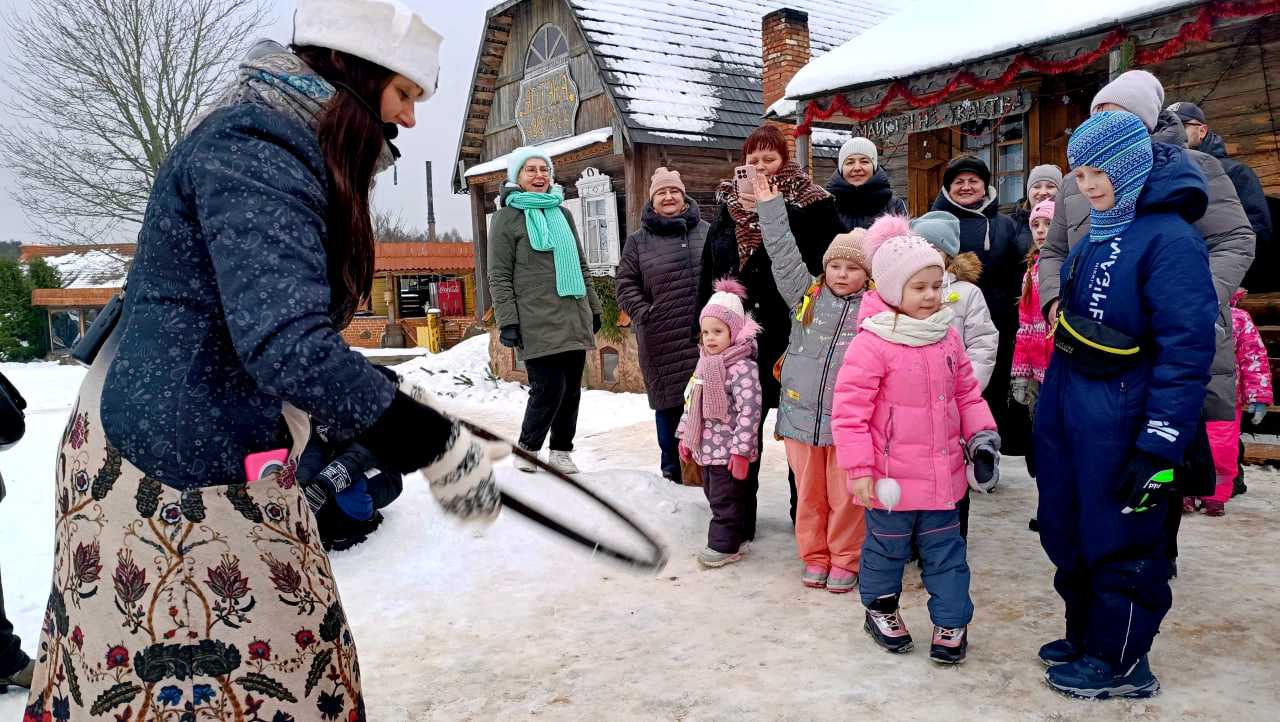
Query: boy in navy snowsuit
(1134, 341)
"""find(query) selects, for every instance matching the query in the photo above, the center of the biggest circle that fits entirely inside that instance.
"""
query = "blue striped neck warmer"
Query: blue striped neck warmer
(1116, 143)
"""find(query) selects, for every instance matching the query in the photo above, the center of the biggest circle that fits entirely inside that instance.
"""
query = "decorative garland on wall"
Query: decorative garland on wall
(1197, 30)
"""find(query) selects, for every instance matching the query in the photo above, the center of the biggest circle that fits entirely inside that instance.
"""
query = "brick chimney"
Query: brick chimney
(784, 43)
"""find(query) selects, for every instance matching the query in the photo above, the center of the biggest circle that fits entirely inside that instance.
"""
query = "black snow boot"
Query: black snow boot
(886, 627)
(949, 645)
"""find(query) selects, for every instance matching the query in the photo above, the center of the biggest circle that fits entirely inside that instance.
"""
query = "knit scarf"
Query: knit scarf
(549, 231)
(710, 398)
(794, 185)
(1117, 144)
(275, 77)
(904, 330)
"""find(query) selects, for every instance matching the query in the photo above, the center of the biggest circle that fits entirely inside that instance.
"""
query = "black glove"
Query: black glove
(595, 323)
(340, 476)
(510, 336)
(984, 465)
(1146, 480)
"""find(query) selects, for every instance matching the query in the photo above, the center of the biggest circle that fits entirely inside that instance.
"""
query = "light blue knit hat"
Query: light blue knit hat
(941, 229)
(1116, 143)
(521, 155)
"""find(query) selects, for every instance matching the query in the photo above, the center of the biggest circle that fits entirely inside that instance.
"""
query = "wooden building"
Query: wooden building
(91, 274)
(1011, 92)
(411, 279)
(614, 90)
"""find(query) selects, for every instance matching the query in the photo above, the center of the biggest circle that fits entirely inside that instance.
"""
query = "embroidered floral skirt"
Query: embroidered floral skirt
(215, 603)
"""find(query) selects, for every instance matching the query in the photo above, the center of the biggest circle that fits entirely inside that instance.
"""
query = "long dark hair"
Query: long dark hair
(351, 139)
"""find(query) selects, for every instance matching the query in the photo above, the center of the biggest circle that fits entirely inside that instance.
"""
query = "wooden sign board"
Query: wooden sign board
(945, 115)
(547, 107)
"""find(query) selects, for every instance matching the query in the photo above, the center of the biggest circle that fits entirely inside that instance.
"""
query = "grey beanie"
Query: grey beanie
(858, 146)
(1046, 172)
(1138, 92)
(941, 229)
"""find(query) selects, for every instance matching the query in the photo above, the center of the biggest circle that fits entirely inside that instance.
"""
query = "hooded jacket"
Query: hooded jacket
(1227, 236)
(1254, 200)
(522, 282)
(860, 206)
(905, 412)
(658, 287)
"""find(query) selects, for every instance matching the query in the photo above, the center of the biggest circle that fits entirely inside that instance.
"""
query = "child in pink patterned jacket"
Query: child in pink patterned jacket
(1033, 346)
(907, 414)
(1253, 393)
(721, 419)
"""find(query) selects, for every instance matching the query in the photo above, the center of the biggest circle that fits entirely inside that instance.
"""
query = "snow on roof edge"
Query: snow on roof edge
(552, 148)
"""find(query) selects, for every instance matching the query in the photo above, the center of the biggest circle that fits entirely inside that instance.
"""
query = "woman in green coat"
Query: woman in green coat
(543, 301)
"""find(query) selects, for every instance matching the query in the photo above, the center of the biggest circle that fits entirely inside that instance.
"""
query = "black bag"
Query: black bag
(87, 350)
(13, 423)
(1093, 348)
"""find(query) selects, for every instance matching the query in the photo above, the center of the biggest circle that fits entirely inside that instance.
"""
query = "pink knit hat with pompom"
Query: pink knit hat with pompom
(726, 304)
(897, 254)
(1043, 209)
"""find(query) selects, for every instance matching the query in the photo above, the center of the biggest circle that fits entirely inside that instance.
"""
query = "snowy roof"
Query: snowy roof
(940, 34)
(553, 149)
(688, 71)
(91, 269)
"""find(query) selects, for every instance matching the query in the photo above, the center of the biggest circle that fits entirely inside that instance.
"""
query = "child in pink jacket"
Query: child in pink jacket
(721, 417)
(906, 403)
(1253, 393)
(1033, 346)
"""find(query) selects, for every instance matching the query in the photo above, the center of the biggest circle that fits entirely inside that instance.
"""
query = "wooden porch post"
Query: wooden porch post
(392, 334)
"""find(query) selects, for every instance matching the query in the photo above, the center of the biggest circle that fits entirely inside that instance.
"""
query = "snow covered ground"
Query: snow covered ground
(458, 623)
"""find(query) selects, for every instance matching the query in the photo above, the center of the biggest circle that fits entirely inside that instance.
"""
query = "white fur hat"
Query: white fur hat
(380, 31)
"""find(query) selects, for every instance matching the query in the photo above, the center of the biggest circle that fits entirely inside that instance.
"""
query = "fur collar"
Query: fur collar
(966, 267)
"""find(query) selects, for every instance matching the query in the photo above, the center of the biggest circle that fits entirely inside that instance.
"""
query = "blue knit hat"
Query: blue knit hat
(521, 155)
(1116, 143)
(940, 228)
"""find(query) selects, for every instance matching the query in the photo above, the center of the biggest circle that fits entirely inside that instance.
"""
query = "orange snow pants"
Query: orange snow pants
(830, 528)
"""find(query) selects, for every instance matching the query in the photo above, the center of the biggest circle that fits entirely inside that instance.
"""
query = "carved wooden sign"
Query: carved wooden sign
(945, 115)
(547, 107)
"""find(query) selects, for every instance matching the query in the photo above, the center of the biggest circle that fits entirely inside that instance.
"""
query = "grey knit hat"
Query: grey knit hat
(941, 229)
(1138, 92)
(1047, 172)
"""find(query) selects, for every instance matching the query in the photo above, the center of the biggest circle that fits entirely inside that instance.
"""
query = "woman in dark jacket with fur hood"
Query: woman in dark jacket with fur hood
(735, 248)
(861, 187)
(658, 288)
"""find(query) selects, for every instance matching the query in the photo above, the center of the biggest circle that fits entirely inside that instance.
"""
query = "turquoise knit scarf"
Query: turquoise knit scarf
(549, 231)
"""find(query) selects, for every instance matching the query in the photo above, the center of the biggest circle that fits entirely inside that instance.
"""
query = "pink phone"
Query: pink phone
(262, 464)
(745, 177)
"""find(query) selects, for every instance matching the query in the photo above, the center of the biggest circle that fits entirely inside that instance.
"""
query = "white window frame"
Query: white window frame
(598, 231)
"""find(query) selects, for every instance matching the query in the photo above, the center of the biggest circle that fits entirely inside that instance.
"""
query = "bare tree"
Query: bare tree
(390, 227)
(101, 90)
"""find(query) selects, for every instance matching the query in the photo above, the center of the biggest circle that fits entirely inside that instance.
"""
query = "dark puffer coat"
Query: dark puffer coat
(813, 226)
(860, 206)
(1261, 274)
(658, 288)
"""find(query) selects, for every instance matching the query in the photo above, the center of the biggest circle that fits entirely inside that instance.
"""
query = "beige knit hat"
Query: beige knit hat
(663, 178)
(848, 246)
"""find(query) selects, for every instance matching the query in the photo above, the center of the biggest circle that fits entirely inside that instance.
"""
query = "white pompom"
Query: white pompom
(888, 492)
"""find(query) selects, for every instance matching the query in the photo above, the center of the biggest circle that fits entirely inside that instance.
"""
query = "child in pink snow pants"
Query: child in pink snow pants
(907, 414)
(1253, 393)
(721, 419)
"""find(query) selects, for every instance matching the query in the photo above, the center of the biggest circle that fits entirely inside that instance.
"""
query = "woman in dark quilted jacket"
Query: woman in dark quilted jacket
(188, 567)
(658, 288)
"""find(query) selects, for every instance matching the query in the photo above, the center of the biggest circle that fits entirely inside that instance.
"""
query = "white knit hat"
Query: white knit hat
(859, 146)
(380, 31)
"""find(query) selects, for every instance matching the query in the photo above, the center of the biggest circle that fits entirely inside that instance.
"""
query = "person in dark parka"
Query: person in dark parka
(861, 187)
(1110, 431)
(735, 248)
(658, 288)
(967, 193)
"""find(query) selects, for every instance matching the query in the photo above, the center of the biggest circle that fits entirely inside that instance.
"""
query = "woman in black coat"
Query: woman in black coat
(735, 248)
(658, 288)
(861, 187)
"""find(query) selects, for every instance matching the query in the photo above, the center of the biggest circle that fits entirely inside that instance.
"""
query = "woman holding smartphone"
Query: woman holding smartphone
(735, 247)
(182, 578)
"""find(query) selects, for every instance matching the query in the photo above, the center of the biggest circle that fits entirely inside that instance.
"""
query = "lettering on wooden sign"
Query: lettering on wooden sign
(547, 106)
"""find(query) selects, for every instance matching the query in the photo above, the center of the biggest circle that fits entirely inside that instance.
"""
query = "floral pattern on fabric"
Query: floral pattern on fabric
(736, 435)
(1253, 368)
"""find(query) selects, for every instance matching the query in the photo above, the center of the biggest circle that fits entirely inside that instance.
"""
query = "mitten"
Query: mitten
(1258, 411)
(510, 336)
(1018, 390)
(355, 501)
(595, 323)
(739, 466)
(685, 454)
(1146, 479)
(983, 472)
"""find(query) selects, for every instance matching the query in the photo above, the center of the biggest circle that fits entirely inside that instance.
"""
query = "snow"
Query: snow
(508, 623)
(939, 34)
(393, 352)
(553, 149)
(91, 269)
(782, 108)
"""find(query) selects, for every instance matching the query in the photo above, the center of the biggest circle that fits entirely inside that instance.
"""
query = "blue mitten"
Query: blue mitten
(355, 501)
(1258, 411)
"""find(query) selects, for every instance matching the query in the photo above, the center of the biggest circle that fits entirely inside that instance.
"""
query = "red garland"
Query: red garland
(1197, 30)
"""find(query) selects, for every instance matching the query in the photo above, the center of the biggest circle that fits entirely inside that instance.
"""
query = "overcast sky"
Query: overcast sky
(435, 138)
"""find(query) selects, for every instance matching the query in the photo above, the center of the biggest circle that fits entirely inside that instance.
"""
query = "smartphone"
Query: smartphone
(745, 177)
(264, 463)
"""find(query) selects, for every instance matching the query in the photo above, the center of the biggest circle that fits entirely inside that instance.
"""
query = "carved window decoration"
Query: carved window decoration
(609, 362)
(598, 222)
(548, 44)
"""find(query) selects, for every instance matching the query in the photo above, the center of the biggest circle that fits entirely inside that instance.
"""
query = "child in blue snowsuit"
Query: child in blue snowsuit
(1134, 340)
